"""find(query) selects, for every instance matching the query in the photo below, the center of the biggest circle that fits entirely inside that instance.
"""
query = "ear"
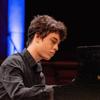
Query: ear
(37, 37)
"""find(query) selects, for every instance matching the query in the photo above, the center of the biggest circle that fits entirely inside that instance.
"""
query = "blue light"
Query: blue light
(16, 14)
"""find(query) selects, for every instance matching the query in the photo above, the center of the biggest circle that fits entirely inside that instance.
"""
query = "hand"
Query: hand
(50, 91)
(48, 88)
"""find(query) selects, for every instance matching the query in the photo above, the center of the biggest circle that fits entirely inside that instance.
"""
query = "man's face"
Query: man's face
(48, 46)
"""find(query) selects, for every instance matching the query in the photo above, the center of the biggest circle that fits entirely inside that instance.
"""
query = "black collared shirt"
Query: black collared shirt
(21, 78)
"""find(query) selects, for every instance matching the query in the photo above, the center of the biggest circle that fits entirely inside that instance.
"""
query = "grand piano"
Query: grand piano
(80, 92)
(86, 86)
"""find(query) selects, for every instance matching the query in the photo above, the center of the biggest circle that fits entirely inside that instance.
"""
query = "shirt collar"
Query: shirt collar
(31, 61)
(29, 58)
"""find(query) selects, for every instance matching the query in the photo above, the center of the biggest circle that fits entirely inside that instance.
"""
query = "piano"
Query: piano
(87, 84)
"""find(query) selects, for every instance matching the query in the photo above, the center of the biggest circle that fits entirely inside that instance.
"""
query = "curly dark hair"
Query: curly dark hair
(45, 24)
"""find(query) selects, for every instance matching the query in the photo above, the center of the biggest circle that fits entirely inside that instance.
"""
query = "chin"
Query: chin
(47, 58)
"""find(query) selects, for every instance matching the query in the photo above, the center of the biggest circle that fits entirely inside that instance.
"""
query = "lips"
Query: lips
(52, 53)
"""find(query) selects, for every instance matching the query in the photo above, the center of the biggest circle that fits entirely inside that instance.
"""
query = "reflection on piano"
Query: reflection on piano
(75, 92)
(87, 84)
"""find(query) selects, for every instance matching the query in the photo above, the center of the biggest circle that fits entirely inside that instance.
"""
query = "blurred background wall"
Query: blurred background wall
(81, 18)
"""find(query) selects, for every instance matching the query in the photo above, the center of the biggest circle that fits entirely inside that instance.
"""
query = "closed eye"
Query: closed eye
(53, 41)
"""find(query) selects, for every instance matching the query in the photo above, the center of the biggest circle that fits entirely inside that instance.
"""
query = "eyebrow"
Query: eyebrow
(55, 38)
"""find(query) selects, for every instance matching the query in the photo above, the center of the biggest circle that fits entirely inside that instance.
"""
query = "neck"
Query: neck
(32, 50)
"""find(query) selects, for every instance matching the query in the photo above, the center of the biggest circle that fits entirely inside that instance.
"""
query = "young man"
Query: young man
(21, 76)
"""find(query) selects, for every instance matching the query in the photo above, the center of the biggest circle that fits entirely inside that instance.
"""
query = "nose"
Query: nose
(56, 47)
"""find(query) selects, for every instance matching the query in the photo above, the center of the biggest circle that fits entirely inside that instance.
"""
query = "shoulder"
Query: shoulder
(14, 60)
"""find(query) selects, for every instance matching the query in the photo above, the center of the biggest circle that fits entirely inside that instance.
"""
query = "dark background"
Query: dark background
(81, 18)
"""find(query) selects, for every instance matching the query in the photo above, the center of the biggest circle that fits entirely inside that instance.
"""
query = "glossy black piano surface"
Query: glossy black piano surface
(81, 92)
(87, 84)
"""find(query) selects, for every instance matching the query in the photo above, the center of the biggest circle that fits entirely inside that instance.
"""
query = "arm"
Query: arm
(12, 80)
